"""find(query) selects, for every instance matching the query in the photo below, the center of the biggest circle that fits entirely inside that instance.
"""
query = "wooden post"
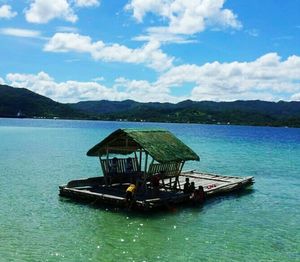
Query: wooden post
(146, 162)
(177, 177)
(145, 170)
(103, 170)
(101, 164)
(106, 176)
(177, 180)
(140, 165)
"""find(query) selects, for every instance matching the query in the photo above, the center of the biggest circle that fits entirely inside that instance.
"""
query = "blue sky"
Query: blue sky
(151, 50)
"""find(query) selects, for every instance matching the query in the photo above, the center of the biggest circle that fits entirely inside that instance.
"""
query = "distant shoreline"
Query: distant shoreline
(103, 120)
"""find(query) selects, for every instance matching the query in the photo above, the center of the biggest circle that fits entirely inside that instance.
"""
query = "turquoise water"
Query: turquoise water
(261, 224)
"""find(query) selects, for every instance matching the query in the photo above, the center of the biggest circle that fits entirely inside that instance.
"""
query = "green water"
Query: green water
(262, 224)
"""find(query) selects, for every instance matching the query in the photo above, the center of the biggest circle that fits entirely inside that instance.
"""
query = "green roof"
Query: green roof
(161, 144)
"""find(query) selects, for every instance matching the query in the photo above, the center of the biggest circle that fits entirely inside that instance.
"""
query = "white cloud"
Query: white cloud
(268, 77)
(167, 38)
(19, 32)
(87, 3)
(74, 91)
(42, 11)
(2, 82)
(149, 54)
(184, 17)
(69, 91)
(295, 97)
(6, 12)
(144, 91)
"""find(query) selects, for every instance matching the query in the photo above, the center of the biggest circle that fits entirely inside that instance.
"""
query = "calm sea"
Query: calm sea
(262, 224)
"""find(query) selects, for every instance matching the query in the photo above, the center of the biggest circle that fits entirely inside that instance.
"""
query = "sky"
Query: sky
(152, 50)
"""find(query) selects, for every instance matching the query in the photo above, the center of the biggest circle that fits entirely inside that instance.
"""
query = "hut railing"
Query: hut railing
(169, 173)
(120, 172)
(170, 169)
(121, 166)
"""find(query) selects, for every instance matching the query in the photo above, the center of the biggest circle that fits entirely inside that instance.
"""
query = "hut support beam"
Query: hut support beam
(103, 170)
(145, 169)
(140, 164)
(177, 177)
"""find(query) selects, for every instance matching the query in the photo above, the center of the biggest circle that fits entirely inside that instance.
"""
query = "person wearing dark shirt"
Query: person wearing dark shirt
(186, 186)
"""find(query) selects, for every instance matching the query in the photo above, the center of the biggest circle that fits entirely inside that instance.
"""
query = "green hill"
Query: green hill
(14, 101)
(238, 112)
(30, 104)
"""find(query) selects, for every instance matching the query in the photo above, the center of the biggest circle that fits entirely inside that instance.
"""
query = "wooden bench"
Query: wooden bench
(168, 171)
(120, 174)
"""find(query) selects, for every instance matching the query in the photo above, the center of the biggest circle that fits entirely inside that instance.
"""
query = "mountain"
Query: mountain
(25, 103)
(104, 106)
(256, 112)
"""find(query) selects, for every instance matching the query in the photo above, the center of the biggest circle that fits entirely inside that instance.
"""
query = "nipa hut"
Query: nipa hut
(146, 151)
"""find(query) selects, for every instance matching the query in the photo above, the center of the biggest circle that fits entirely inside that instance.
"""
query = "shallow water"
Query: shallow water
(261, 224)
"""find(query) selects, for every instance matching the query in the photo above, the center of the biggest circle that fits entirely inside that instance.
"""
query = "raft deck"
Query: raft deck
(95, 190)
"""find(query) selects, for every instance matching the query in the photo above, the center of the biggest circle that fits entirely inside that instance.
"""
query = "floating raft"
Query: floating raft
(96, 191)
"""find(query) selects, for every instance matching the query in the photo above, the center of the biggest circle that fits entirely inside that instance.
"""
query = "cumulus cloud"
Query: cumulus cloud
(2, 81)
(42, 11)
(184, 17)
(144, 91)
(6, 12)
(296, 97)
(268, 77)
(74, 91)
(19, 32)
(149, 54)
(68, 91)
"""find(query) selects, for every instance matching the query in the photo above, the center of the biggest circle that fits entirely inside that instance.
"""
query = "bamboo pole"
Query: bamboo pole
(145, 169)
(140, 164)
(107, 158)
(177, 180)
(146, 161)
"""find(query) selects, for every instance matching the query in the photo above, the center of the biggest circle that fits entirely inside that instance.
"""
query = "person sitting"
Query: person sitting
(192, 188)
(155, 183)
(186, 186)
(129, 165)
(130, 193)
(198, 197)
(113, 166)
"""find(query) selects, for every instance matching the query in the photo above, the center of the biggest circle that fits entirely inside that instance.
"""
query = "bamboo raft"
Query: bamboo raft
(149, 154)
(94, 190)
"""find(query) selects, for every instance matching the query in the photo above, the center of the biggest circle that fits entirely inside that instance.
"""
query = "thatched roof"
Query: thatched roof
(161, 144)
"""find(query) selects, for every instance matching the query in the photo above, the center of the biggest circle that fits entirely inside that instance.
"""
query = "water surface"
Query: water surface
(261, 224)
